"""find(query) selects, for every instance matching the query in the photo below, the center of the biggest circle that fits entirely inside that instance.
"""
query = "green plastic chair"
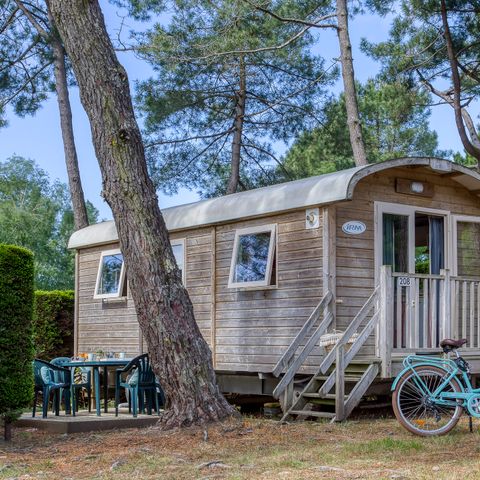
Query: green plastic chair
(76, 387)
(140, 380)
(50, 378)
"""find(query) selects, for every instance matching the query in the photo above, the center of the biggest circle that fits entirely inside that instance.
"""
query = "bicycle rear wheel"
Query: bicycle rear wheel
(415, 410)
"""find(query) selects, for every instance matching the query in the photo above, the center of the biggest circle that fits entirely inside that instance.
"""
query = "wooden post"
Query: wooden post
(329, 226)
(447, 304)
(385, 337)
(288, 393)
(213, 294)
(76, 307)
(340, 384)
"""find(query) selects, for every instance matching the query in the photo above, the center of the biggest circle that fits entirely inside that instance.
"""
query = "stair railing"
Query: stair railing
(343, 358)
(289, 361)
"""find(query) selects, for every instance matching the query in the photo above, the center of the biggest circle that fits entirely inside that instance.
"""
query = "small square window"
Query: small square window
(111, 275)
(253, 257)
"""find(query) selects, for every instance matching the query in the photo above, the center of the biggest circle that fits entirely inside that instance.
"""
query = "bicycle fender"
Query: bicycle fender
(397, 378)
(412, 367)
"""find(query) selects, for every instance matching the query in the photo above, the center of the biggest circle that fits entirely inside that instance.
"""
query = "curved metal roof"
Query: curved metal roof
(313, 191)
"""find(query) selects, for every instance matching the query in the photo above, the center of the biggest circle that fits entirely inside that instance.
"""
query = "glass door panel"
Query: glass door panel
(429, 243)
(468, 249)
(396, 241)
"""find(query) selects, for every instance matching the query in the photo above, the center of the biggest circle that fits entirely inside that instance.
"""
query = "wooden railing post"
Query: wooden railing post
(447, 305)
(385, 334)
(288, 393)
(340, 383)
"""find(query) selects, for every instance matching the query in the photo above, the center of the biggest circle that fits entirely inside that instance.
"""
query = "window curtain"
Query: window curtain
(436, 247)
(388, 239)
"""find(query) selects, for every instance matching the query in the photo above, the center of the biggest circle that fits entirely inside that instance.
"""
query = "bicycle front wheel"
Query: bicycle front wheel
(414, 408)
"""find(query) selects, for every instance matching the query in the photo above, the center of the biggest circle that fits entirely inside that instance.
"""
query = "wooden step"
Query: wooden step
(365, 360)
(332, 396)
(309, 413)
(317, 395)
(348, 378)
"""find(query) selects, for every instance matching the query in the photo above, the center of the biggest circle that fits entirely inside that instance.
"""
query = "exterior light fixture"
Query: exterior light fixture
(417, 187)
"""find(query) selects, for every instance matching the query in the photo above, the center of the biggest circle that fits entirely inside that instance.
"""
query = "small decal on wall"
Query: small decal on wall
(354, 227)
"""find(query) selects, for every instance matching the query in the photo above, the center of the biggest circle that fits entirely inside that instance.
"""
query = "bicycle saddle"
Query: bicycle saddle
(450, 343)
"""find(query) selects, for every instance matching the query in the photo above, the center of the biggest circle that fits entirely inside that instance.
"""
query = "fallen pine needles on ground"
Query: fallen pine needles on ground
(254, 449)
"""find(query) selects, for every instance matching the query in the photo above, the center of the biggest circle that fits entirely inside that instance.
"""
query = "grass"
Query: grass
(385, 445)
(255, 449)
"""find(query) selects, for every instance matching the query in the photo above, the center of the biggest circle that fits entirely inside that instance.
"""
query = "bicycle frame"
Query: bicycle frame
(438, 396)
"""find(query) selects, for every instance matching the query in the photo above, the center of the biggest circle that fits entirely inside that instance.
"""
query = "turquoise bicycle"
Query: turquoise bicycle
(431, 393)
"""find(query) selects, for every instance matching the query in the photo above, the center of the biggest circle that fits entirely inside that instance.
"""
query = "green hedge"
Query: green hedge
(53, 320)
(16, 352)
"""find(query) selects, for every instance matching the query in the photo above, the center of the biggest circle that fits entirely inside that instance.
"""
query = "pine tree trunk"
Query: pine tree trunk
(240, 95)
(61, 86)
(348, 76)
(71, 160)
(180, 356)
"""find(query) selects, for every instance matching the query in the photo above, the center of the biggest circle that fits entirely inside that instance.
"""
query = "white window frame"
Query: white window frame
(455, 220)
(182, 242)
(408, 210)
(266, 283)
(121, 282)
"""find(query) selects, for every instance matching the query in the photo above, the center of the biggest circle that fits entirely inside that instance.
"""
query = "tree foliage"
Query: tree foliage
(226, 92)
(394, 121)
(16, 352)
(26, 76)
(433, 46)
(35, 213)
(33, 64)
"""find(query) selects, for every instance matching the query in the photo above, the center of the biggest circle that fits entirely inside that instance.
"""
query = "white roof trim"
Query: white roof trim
(320, 190)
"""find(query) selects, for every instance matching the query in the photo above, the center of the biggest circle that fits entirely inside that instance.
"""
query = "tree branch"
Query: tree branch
(239, 53)
(22, 87)
(468, 72)
(188, 139)
(468, 145)
(9, 20)
(271, 155)
(32, 20)
(314, 24)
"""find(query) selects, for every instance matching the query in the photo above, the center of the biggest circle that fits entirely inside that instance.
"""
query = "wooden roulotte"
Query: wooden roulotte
(387, 256)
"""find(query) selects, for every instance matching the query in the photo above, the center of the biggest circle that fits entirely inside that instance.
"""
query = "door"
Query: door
(413, 241)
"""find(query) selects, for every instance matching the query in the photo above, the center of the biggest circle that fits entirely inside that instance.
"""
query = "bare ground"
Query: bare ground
(253, 449)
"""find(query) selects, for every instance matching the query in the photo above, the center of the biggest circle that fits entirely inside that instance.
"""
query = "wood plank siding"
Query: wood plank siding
(253, 327)
(248, 330)
(109, 326)
(355, 253)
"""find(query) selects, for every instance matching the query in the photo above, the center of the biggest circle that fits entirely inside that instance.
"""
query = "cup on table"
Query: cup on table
(90, 357)
(121, 355)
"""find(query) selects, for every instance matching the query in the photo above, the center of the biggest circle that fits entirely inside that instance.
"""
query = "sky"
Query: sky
(39, 137)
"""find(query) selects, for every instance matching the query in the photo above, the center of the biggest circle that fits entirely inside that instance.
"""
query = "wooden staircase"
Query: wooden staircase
(341, 379)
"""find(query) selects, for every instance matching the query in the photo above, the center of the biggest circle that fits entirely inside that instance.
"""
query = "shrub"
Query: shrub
(16, 350)
(53, 320)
